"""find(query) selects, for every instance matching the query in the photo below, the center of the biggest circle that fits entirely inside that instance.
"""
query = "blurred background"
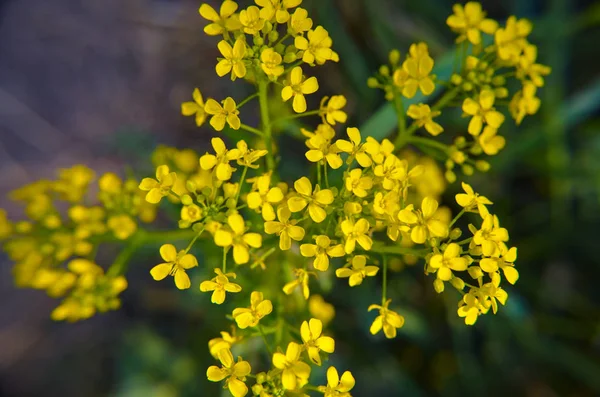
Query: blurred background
(100, 82)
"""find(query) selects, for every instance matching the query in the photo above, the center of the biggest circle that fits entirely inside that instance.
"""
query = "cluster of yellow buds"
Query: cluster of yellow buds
(279, 240)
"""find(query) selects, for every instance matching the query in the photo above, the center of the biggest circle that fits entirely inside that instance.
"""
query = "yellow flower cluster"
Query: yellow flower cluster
(383, 208)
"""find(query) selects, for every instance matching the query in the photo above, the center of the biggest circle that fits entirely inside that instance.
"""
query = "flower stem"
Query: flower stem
(262, 333)
(429, 142)
(403, 135)
(457, 217)
(296, 116)
(239, 189)
(239, 105)
(384, 288)
(251, 129)
(266, 123)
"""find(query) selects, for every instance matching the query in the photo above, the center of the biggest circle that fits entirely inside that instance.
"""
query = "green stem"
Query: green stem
(122, 260)
(457, 217)
(239, 105)
(251, 129)
(224, 266)
(319, 174)
(194, 240)
(429, 142)
(467, 240)
(402, 137)
(325, 173)
(239, 190)
(262, 333)
(384, 292)
(398, 250)
(266, 123)
(296, 116)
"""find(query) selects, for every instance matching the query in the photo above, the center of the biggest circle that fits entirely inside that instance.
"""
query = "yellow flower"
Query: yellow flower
(320, 309)
(251, 20)
(233, 59)
(176, 263)
(238, 238)
(388, 319)
(423, 116)
(299, 22)
(358, 271)
(271, 62)
(321, 251)
(355, 148)
(222, 22)
(235, 372)
(223, 113)
(331, 109)
(248, 157)
(220, 285)
(469, 21)
(505, 262)
(426, 222)
(490, 142)
(294, 373)
(195, 108)
(491, 236)
(358, 184)
(285, 228)
(415, 72)
(277, 9)
(379, 151)
(314, 342)
(356, 232)
(190, 213)
(122, 226)
(315, 200)
(300, 281)
(316, 46)
(448, 261)
(511, 40)
(482, 110)
(224, 342)
(470, 200)
(159, 187)
(337, 387)
(219, 162)
(395, 172)
(263, 197)
(492, 294)
(321, 148)
(524, 102)
(469, 308)
(296, 87)
(527, 68)
(249, 317)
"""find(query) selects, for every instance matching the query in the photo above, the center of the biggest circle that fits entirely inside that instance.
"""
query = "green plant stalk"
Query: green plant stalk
(402, 138)
(429, 142)
(266, 123)
(384, 287)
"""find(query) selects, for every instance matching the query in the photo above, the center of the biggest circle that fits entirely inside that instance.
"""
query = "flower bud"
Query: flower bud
(384, 70)
(372, 82)
(394, 57)
(482, 165)
(273, 36)
(455, 233)
(191, 186)
(457, 283)
(186, 199)
(467, 169)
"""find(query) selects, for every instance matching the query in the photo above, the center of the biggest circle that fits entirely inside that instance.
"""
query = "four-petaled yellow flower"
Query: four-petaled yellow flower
(337, 387)
(195, 108)
(524, 102)
(264, 196)
(159, 187)
(300, 281)
(355, 148)
(226, 340)
(316, 46)
(251, 20)
(482, 110)
(295, 372)
(233, 59)
(219, 162)
(299, 22)
(504, 262)
(234, 372)
(469, 200)
(175, 265)
(358, 270)
(448, 261)
(249, 317)
(271, 62)
(220, 285)
(285, 228)
(222, 22)
(489, 140)
(237, 237)
(469, 21)
(314, 342)
(356, 232)
(423, 116)
(331, 109)
(316, 200)
(469, 308)
(296, 87)
(491, 236)
(388, 319)
(322, 251)
(426, 223)
(415, 72)
(358, 184)
(321, 148)
(223, 113)
(276, 9)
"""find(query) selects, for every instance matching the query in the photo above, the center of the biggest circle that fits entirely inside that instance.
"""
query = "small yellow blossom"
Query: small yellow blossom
(224, 342)
(222, 22)
(271, 62)
(220, 284)
(469, 308)
(237, 237)
(297, 87)
(355, 148)
(300, 281)
(450, 260)
(511, 39)
(423, 116)
(505, 262)
(469, 21)
(337, 387)
(320, 309)
(299, 22)
(527, 68)
(314, 342)
(316, 46)
(358, 184)
(190, 214)
(233, 59)
(416, 72)
(482, 110)
(426, 222)
(122, 226)
(285, 228)
(489, 140)
(524, 102)
(357, 270)
(491, 237)
(492, 293)
(356, 232)
(295, 373)
(264, 197)
(316, 200)
(251, 20)
(469, 200)
(322, 251)
(331, 109)
(227, 112)
(219, 162)
(321, 148)
(176, 263)
(234, 372)
(195, 108)
(277, 9)
(249, 317)
(159, 187)
(388, 319)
